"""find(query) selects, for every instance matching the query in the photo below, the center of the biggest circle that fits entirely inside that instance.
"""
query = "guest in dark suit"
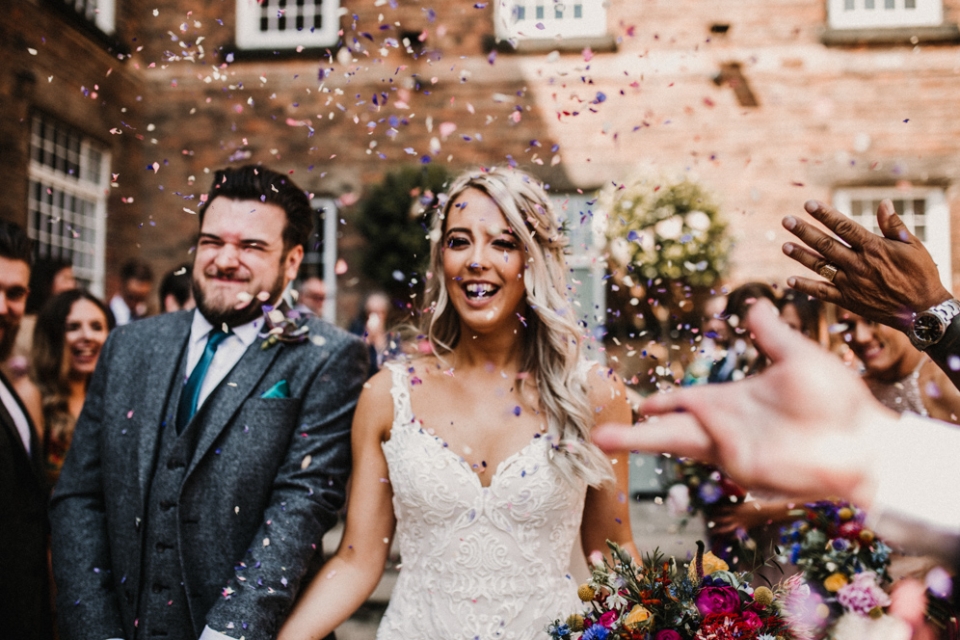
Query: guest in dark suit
(24, 576)
(210, 457)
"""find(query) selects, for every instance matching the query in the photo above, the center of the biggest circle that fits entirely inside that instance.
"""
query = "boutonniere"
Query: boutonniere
(289, 327)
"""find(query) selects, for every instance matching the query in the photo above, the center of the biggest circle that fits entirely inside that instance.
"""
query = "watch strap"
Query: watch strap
(948, 345)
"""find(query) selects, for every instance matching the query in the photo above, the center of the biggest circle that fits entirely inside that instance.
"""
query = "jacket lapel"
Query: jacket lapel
(35, 456)
(161, 366)
(218, 410)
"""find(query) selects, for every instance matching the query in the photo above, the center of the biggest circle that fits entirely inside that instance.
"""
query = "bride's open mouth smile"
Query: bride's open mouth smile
(480, 290)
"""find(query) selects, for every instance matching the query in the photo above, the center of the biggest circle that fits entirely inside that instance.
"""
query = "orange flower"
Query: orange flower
(835, 582)
(711, 563)
(638, 618)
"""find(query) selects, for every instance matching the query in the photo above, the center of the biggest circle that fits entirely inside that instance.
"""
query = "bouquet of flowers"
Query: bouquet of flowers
(845, 566)
(663, 601)
(701, 488)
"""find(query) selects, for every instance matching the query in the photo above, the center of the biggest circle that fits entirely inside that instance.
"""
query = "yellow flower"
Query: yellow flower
(586, 593)
(711, 563)
(845, 513)
(763, 595)
(575, 622)
(835, 582)
(638, 618)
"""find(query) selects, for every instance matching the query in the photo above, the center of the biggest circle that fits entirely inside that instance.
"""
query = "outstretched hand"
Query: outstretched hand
(884, 278)
(802, 427)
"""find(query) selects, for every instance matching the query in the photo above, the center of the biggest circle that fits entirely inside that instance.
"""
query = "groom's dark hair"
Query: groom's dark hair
(253, 182)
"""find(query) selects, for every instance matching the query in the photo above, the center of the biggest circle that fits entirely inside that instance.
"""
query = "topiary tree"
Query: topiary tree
(393, 219)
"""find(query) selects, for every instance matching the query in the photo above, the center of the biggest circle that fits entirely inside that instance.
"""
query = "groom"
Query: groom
(209, 460)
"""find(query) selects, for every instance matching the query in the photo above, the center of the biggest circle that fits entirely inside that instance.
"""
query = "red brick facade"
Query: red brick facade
(765, 112)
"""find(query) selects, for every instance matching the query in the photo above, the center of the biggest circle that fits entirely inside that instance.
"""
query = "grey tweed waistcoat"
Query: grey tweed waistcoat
(164, 610)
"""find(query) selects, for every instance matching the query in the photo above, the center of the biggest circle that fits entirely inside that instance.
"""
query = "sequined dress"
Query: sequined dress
(477, 562)
(902, 395)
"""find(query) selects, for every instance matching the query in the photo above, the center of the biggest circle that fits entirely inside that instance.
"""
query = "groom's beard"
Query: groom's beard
(218, 311)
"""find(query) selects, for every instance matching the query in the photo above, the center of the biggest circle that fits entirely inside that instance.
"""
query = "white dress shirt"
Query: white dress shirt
(121, 312)
(13, 408)
(228, 353)
(224, 360)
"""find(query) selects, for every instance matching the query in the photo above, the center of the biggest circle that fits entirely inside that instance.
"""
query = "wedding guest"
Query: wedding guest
(741, 359)
(478, 455)
(243, 441)
(802, 313)
(371, 325)
(890, 278)
(899, 376)
(24, 573)
(176, 290)
(806, 426)
(313, 295)
(756, 523)
(48, 277)
(714, 342)
(136, 282)
(68, 337)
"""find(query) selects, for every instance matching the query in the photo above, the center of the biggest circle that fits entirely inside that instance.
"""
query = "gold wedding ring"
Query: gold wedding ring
(828, 272)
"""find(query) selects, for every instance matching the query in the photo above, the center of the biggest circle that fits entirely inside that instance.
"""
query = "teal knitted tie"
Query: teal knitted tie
(190, 394)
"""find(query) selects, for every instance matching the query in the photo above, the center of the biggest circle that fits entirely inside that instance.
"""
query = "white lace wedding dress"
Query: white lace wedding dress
(477, 562)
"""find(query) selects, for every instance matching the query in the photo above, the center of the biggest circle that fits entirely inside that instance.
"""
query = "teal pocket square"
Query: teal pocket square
(279, 390)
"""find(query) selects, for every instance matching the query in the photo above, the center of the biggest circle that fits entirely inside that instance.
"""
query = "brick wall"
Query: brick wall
(196, 111)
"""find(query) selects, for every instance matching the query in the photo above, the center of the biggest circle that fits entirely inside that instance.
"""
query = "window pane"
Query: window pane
(66, 198)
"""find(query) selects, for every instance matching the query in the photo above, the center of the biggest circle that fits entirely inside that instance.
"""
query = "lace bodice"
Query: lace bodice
(477, 562)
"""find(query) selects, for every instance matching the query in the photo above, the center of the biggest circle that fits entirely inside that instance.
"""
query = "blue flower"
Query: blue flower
(596, 632)
(559, 631)
(795, 553)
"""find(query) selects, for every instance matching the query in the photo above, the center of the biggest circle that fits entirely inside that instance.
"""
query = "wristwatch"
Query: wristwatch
(930, 326)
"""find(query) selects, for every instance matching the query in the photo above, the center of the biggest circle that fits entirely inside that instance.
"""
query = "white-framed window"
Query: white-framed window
(100, 13)
(586, 267)
(67, 205)
(320, 256)
(549, 19)
(867, 14)
(286, 24)
(924, 211)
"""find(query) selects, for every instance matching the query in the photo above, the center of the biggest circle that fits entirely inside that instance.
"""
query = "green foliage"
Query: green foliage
(395, 223)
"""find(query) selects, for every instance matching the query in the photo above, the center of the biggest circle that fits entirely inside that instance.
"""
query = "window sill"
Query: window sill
(946, 33)
(605, 43)
(277, 53)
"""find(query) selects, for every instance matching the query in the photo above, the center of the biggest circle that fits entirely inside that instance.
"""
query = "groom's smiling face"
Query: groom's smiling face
(240, 262)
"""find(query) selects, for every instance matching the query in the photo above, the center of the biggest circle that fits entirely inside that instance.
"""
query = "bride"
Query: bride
(479, 455)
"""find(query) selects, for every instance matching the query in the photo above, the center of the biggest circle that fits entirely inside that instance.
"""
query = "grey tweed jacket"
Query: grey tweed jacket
(264, 484)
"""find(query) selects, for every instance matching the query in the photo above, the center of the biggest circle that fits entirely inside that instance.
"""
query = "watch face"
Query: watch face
(928, 328)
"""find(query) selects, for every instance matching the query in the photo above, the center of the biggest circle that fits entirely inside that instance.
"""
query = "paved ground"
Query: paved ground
(653, 527)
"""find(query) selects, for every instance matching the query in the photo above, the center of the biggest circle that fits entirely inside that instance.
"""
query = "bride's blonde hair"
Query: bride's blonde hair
(551, 350)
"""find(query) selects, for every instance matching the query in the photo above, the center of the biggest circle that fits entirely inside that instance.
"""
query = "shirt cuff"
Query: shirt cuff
(210, 634)
(915, 472)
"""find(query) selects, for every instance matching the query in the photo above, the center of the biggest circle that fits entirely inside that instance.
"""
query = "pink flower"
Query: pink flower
(862, 594)
(713, 600)
(607, 619)
(751, 620)
(667, 634)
